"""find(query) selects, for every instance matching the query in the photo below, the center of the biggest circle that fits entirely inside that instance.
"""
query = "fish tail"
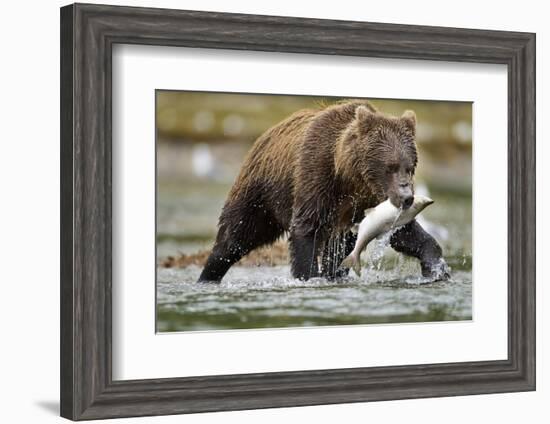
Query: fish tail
(352, 262)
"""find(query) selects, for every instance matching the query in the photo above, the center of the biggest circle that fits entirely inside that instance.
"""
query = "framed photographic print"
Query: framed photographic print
(263, 211)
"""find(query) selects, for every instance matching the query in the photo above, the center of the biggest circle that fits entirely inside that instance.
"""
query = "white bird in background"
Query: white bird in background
(440, 233)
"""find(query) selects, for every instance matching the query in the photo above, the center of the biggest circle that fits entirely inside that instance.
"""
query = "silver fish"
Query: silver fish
(379, 220)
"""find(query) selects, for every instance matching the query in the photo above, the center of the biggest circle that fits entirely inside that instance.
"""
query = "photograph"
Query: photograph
(278, 211)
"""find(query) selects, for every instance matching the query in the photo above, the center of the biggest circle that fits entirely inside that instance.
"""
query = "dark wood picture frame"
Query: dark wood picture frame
(88, 33)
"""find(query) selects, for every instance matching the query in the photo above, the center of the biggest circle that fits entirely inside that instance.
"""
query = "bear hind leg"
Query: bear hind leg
(237, 236)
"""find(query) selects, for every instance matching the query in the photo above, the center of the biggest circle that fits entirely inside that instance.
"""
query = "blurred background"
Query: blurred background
(203, 137)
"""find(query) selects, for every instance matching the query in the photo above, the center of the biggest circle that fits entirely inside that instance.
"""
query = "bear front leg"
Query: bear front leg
(304, 249)
(413, 240)
(336, 250)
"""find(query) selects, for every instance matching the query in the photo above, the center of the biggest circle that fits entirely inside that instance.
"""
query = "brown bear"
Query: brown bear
(312, 176)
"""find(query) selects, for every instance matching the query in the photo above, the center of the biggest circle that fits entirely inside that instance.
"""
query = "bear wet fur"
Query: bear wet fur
(312, 176)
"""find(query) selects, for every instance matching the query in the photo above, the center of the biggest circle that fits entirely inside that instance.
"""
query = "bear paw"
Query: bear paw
(436, 270)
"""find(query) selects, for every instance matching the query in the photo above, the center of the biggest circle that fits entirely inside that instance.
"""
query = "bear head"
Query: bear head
(376, 154)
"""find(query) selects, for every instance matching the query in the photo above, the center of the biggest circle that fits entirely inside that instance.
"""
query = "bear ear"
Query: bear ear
(364, 116)
(362, 113)
(409, 118)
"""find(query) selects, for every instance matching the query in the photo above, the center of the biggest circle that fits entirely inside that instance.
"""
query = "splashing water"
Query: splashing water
(379, 245)
(376, 252)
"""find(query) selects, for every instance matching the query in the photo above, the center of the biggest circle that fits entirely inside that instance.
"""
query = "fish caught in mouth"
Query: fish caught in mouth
(379, 220)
